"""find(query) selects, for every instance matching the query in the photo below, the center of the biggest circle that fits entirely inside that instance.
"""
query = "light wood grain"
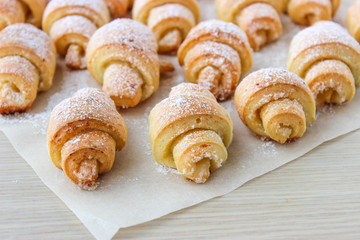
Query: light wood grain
(314, 197)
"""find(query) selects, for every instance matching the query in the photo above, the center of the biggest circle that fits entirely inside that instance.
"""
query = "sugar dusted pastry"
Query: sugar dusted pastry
(190, 131)
(353, 20)
(308, 12)
(118, 8)
(328, 58)
(27, 66)
(71, 23)
(276, 104)
(19, 11)
(215, 54)
(259, 19)
(122, 56)
(169, 20)
(84, 133)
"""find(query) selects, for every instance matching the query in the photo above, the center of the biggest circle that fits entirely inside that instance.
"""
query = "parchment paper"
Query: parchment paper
(138, 190)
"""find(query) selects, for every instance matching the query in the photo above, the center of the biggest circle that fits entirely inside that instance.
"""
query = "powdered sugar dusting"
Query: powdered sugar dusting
(321, 33)
(27, 36)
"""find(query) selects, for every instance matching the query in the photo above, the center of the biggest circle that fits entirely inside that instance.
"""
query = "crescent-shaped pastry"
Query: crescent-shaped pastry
(308, 12)
(84, 133)
(27, 66)
(71, 23)
(19, 11)
(169, 20)
(118, 8)
(276, 104)
(215, 53)
(122, 56)
(259, 19)
(328, 58)
(190, 131)
(353, 20)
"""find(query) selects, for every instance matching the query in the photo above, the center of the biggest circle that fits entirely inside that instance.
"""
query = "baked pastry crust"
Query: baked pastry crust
(118, 8)
(84, 133)
(353, 20)
(215, 54)
(19, 11)
(274, 103)
(71, 24)
(260, 20)
(27, 66)
(307, 12)
(190, 131)
(169, 20)
(328, 58)
(122, 57)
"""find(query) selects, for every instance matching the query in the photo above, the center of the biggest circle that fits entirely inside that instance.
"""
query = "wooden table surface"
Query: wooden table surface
(314, 197)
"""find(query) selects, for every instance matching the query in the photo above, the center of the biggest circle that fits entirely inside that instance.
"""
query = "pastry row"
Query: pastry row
(71, 22)
(189, 130)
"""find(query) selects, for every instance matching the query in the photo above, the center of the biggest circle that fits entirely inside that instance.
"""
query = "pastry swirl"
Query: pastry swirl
(353, 20)
(19, 11)
(276, 104)
(27, 66)
(214, 54)
(122, 57)
(84, 133)
(258, 19)
(169, 20)
(328, 58)
(307, 12)
(71, 24)
(190, 131)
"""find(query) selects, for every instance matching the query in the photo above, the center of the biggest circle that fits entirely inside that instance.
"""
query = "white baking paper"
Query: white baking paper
(138, 190)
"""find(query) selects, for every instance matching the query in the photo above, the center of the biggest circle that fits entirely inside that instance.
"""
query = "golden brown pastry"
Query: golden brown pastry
(190, 131)
(259, 19)
(328, 58)
(215, 53)
(353, 20)
(274, 103)
(71, 23)
(122, 56)
(84, 133)
(118, 8)
(19, 11)
(308, 12)
(27, 66)
(169, 20)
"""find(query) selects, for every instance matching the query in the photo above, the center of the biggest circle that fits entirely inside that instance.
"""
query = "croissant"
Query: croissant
(308, 12)
(353, 20)
(328, 58)
(190, 131)
(71, 23)
(84, 133)
(215, 53)
(118, 8)
(259, 19)
(276, 104)
(169, 20)
(27, 66)
(122, 56)
(19, 11)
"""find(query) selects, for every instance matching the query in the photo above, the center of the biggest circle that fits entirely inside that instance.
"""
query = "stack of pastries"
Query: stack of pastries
(189, 131)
